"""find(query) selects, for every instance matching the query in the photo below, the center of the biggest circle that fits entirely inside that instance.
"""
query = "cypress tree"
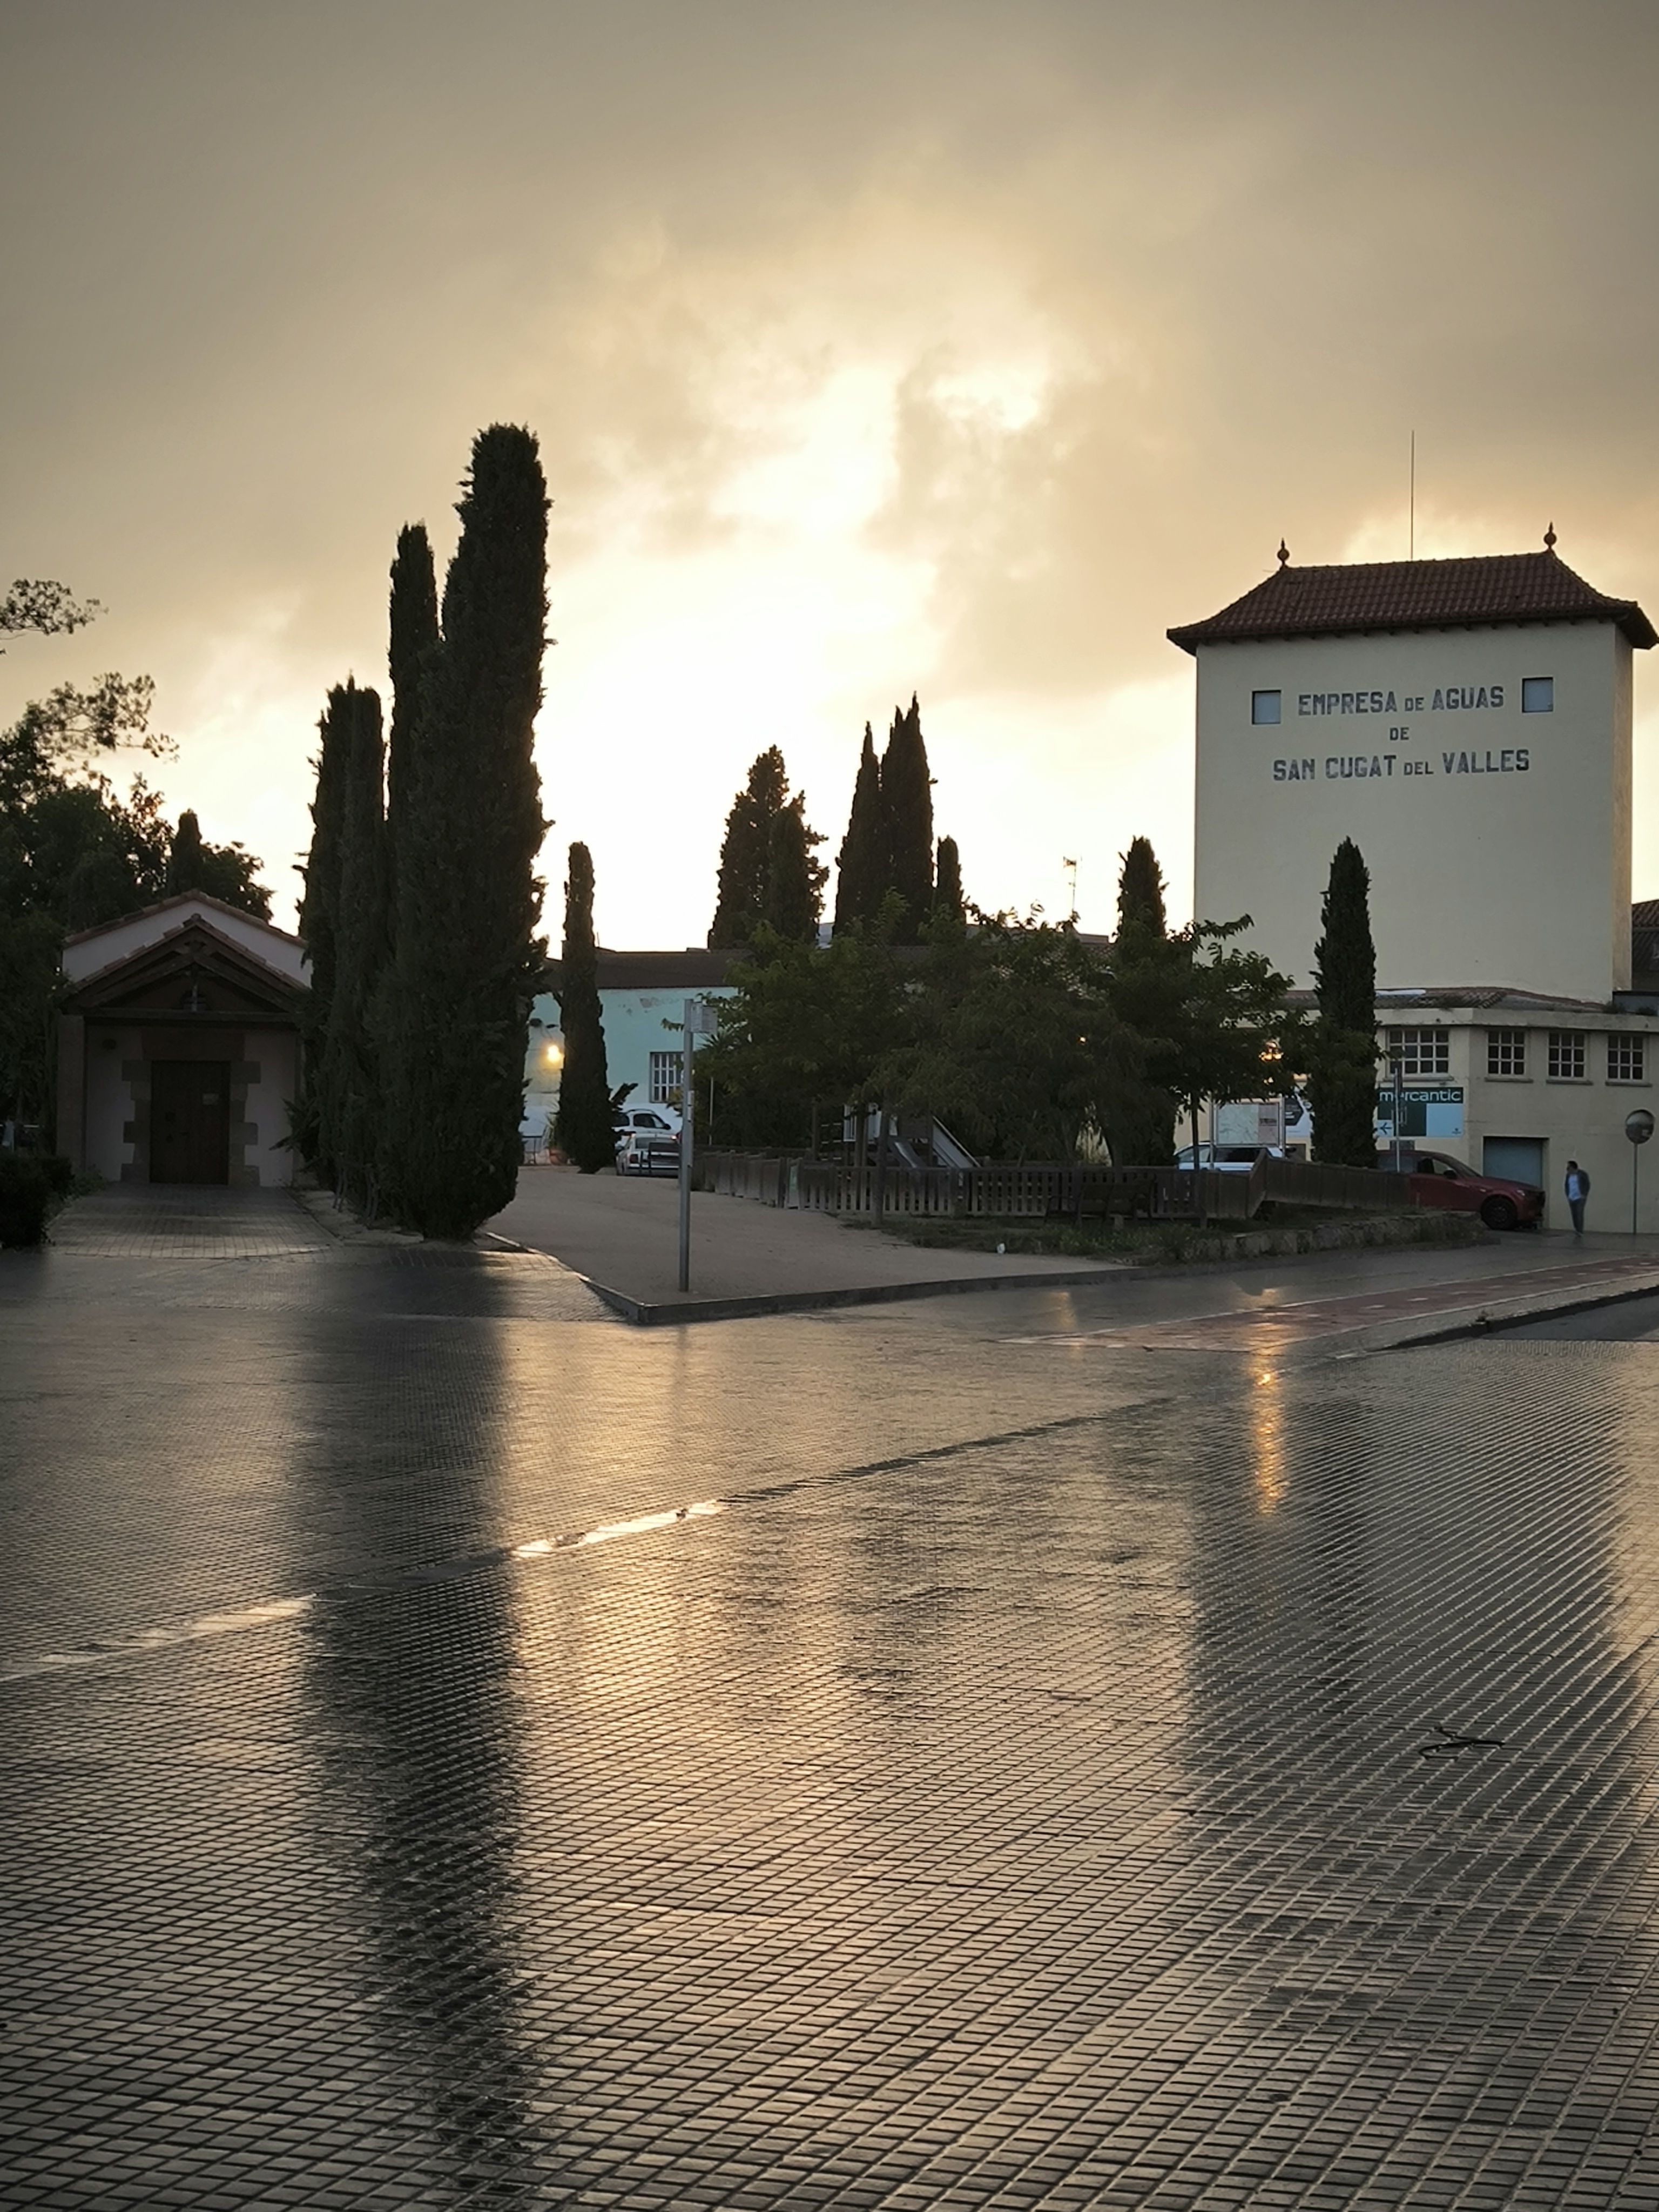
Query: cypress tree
(351, 1087)
(185, 865)
(1140, 889)
(862, 863)
(948, 903)
(470, 828)
(582, 1129)
(745, 852)
(319, 910)
(1342, 1076)
(413, 638)
(795, 877)
(907, 805)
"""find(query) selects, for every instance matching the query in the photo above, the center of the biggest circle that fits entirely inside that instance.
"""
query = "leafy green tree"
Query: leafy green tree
(184, 861)
(466, 952)
(740, 903)
(350, 1084)
(583, 1130)
(949, 907)
(861, 869)
(1227, 1027)
(794, 876)
(1341, 1048)
(907, 802)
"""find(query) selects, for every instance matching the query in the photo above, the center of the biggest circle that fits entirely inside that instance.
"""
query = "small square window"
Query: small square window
(1506, 1052)
(1420, 1052)
(1566, 1061)
(1627, 1058)
(666, 1071)
(1264, 705)
(1537, 695)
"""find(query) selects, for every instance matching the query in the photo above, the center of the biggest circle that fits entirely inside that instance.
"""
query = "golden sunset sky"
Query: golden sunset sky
(959, 349)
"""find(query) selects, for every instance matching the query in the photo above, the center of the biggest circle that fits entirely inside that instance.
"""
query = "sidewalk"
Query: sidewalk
(622, 1232)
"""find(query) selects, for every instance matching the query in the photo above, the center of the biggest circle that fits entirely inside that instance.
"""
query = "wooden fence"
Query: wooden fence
(1043, 1191)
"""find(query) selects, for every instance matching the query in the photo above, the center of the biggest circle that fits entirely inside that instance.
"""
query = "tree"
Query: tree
(1342, 1040)
(583, 1130)
(907, 805)
(1140, 889)
(320, 919)
(184, 861)
(1149, 981)
(948, 907)
(466, 952)
(225, 872)
(1226, 1027)
(745, 853)
(349, 1091)
(794, 876)
(862, 863)
(412, 643)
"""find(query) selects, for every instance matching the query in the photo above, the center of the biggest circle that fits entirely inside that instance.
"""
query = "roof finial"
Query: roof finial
(1283, 553)
(1549, 539)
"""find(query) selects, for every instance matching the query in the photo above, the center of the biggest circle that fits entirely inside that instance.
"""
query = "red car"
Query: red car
(1439, 1179)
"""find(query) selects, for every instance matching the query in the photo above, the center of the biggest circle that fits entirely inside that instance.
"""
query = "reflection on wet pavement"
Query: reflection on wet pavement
(851, 1761)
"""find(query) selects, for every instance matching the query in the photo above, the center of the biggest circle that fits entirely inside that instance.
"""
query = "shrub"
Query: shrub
(25, 1195)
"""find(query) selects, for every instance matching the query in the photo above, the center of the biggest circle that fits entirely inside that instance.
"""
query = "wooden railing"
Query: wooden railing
(1044, 1190)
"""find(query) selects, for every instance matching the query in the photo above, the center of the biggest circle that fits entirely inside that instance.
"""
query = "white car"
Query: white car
(648, 1151)
(1229, 1159)
(660, 1122)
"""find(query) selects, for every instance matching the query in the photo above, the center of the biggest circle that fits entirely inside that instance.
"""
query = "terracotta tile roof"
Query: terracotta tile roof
(1494, 588)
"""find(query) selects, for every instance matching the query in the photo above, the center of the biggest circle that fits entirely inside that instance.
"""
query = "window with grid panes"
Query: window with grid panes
(1567, 1054)
(1421, 1052)
(1506, 1052)
(665, 1073)
(1627, 1059)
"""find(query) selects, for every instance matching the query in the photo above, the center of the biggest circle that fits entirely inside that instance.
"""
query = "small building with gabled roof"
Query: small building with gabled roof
(1467, 723)
(179, 1045)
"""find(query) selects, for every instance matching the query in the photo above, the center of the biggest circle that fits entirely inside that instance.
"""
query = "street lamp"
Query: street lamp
(1638, 1127)
(700, 1020)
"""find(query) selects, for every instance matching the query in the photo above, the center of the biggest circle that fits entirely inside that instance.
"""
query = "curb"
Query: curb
(1485, 1323)
(643, 1315)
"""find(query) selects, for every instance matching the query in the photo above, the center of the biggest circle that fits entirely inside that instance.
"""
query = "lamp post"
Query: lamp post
(1638, 1127)
(1395, 1105)
(699, 1022)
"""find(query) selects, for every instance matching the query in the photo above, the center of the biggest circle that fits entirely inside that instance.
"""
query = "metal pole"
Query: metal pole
(688, 1114)
(1635, 1172)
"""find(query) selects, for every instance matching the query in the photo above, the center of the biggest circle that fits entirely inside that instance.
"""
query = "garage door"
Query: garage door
(1520, 1159)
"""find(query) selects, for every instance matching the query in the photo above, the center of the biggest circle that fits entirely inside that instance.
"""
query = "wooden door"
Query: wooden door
(190, 1121)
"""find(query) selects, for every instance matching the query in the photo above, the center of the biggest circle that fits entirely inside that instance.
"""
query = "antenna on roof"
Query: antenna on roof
(1410, 502)
(1549, 539)
(1283, 553)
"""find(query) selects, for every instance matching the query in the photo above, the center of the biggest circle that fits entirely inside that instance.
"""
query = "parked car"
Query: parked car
(1229, 1159)
(648, 1151)
(1441, 1179)
(653, 1120)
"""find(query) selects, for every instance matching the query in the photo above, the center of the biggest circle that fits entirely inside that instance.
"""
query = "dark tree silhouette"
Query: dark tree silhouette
(794, 876)
(745, 852)
(582, 1129)
(470, 828)
(948, 903)
(1140, 888)
(861, 863)
(1342, 1073)
(349, 1088)
(907, 801)
(413, 628)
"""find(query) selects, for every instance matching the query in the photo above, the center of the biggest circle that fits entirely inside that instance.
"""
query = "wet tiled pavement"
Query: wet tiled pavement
(461, 1752)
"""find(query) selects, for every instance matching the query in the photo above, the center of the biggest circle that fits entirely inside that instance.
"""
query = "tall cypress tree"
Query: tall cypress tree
(795, 877)
(471, 827)
(582, 1129)
(862, 863)
(1342, 1076)
(186, 869)
(1140, 889)
(351, 1084)
(907, 805)
(1150, 972)
(745, 852)
(320, 912)
(948, 905)
(413, 639)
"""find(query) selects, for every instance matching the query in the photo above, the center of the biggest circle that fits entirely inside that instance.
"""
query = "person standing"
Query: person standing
(1578, 1189)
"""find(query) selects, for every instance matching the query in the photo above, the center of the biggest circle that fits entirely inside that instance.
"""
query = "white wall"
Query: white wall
(1499, 842)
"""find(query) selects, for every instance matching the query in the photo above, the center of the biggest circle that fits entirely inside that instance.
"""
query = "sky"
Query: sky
(954, 348)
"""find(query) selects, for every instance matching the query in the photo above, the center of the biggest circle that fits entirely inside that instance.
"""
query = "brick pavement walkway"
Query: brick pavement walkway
(460, 1752)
